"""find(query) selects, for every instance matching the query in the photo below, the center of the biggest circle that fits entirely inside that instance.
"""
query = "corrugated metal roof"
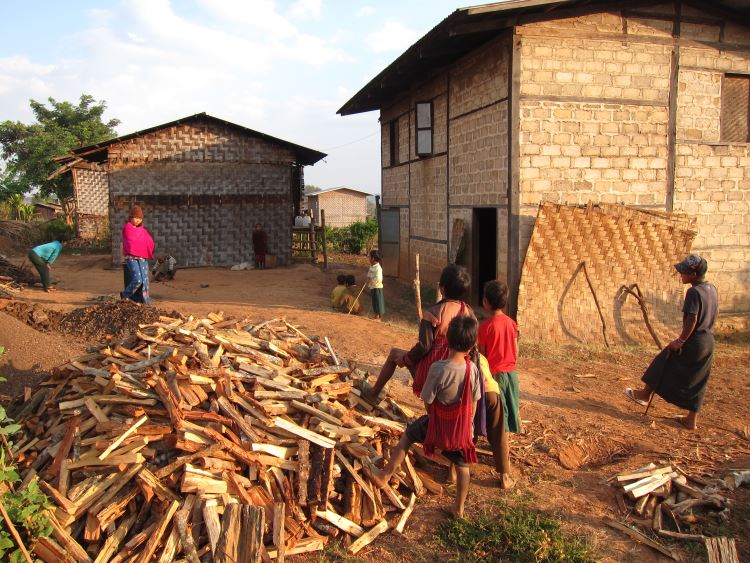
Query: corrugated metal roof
(467, 28)
(304, 155)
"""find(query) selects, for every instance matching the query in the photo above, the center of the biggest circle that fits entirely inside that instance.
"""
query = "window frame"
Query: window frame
(723, 132)
(430, 128)
(393, 142)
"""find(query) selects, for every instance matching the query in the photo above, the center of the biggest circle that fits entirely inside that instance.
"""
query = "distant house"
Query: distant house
(506, 105)
(343, 205)
(203, 183)
(46, 211)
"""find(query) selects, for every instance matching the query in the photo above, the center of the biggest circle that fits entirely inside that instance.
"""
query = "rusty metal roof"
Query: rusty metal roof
(467, 28)
(98, 151)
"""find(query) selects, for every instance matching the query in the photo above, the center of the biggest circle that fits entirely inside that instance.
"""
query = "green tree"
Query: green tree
(28, 150)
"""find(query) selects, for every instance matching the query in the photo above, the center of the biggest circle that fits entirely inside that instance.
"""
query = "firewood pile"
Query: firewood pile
(10, 273)
(210, 439)
(668, 500)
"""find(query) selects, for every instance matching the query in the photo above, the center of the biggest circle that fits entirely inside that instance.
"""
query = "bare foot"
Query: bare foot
(505, 480)
(50, 289)
(448, 512)
(686, 423)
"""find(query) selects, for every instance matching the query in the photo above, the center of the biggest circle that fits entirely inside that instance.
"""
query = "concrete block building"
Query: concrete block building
(503, 106)
(203, 183)
(343, 205)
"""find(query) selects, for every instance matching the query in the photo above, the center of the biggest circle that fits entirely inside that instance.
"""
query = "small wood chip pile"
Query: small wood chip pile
(210, 439)
(668, 499)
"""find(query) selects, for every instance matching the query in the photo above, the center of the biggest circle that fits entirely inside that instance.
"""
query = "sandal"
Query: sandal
(630, 394)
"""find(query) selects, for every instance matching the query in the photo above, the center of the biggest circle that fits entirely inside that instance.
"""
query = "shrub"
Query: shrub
(357, 238)
(57, 229)
(26, 508)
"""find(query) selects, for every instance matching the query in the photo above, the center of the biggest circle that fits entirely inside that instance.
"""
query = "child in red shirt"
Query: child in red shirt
(498, 342)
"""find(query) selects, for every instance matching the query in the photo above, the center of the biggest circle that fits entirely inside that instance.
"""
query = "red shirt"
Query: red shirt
(497, 335)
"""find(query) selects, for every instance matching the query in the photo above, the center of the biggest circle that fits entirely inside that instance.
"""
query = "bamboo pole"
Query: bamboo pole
(418, 290)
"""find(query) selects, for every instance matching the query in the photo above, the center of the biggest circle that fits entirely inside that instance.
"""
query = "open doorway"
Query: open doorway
(484, 250)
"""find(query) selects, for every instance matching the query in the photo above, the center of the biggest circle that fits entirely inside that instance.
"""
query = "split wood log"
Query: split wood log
(279, 537)
(227, 550)
(342, 523)
(368, 537)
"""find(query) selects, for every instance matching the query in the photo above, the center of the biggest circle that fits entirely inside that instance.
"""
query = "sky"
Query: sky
(280, 67)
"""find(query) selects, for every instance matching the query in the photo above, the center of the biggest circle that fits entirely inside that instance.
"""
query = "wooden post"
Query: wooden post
(312, 242)
(418, 290)
(323, 235)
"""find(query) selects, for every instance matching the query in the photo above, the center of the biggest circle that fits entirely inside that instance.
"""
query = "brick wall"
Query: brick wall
(203, 187)
(595, 121)
(469, 166)
(342, 207)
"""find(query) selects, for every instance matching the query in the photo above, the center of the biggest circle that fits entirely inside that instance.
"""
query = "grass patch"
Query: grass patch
(513, 533)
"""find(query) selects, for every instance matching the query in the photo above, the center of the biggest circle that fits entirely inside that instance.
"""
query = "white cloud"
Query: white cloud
(306, 9)
(393, 36)
(365, 11)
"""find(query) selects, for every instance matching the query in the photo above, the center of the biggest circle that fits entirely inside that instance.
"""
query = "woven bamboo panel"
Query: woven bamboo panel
(91, 191)
(208, 231)
(620, 246)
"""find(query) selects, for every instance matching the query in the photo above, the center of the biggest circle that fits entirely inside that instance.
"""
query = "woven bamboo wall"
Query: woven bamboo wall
(207, 230)
(620, 246)
(91, 191)
(203, 186)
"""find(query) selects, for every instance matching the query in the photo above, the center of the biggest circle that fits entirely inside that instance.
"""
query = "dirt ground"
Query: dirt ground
(571, 396)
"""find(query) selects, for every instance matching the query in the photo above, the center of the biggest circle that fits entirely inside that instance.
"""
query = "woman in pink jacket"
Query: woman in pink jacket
(137, 246)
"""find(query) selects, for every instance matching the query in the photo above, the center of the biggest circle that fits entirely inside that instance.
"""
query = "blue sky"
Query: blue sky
(282, 67)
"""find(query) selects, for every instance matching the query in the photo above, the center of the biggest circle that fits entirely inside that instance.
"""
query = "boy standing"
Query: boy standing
(498, 341)
(450, 396)
(375, 283)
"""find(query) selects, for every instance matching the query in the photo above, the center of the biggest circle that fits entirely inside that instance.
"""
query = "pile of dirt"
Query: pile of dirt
(34, 315)
(116, 318)
(97, 322)
(18, 274)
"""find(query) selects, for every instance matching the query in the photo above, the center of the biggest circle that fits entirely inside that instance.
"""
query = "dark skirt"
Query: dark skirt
(378, 302)
(681, 377)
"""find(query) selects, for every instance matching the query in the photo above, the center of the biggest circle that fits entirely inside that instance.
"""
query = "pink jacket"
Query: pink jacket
(137, 242)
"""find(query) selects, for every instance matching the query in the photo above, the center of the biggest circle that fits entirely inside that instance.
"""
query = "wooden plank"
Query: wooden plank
(213, 526)
(297, 430)
(368, 537)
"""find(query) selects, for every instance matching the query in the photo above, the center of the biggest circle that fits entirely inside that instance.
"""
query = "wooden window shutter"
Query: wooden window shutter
(735, 108)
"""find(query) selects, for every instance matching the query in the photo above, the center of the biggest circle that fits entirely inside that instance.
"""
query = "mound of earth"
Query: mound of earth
(97, 322)
(10, 271)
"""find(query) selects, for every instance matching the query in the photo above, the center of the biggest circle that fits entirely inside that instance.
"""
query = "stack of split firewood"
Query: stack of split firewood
(210, 439)
(670, 499)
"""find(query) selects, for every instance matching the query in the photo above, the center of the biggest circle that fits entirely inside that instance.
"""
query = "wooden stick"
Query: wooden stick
(330, 349)
(340, 522)
(152, 543)
(639, 537)
(364, 285)
(253, 525)
(418, 290)
(279, 540)
(405, 514)
(14, 533)
(123, 436)
(188, 545)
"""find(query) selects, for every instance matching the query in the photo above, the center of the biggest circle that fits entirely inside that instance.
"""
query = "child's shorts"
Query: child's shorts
(417, 432)
(509, 389)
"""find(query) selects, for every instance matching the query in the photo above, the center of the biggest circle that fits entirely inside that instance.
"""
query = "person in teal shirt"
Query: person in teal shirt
(42, 257)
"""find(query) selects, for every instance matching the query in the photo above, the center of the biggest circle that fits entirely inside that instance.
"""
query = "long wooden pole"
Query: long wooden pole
(418, 290)
(15, 534)
(323, 234)
(364, 285)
